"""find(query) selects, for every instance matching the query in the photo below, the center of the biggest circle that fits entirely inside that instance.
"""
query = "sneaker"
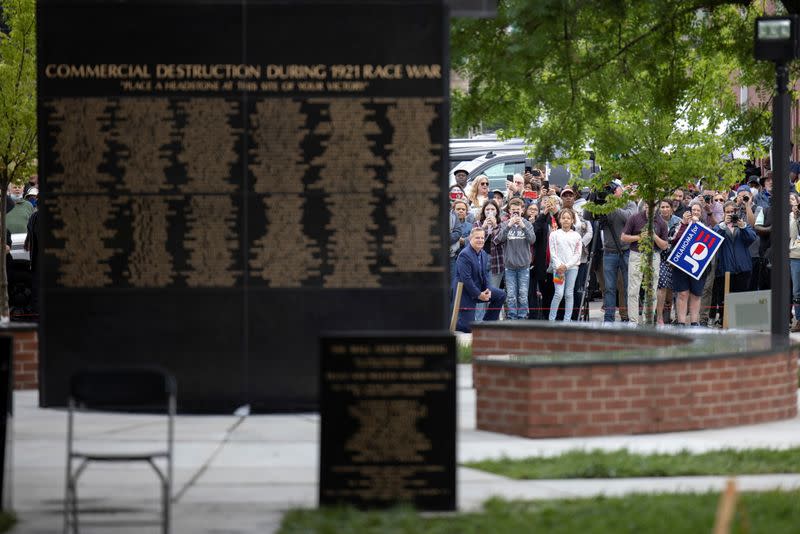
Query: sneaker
(795, 327)
(694, 324)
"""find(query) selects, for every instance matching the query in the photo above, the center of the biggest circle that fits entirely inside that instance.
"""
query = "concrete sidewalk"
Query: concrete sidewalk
(239, 474)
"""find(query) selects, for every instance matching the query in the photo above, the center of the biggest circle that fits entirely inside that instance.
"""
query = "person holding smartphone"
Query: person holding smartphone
(517, 235)
(516, 186)
(490, 220)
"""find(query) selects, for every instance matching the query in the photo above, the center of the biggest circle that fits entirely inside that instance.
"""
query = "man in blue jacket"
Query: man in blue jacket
(472, 268)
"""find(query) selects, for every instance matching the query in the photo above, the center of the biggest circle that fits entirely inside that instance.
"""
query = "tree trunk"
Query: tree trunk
(647, 265)
(5, 314)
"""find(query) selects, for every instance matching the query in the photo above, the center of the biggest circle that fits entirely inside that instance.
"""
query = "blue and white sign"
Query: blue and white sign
(695, 250)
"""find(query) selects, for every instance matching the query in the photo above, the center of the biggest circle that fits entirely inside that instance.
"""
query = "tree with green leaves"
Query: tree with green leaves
(17, 110)
(647, 85)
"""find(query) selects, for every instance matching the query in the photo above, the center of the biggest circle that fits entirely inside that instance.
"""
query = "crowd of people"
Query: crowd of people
(22, 215)
(533, 251)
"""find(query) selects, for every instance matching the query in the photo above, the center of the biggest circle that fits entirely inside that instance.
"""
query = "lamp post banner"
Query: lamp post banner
(695, 250)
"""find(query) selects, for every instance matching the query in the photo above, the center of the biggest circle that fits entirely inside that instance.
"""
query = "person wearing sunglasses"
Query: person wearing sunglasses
(717, 213)
(478, 195)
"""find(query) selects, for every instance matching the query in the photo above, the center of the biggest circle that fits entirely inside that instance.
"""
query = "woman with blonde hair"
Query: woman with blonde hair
(478, 194)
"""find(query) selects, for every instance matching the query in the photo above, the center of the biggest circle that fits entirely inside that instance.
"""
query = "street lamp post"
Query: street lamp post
(776, 40)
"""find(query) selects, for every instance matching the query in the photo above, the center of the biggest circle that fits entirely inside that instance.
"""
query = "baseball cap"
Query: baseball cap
(744, 188)
(567, 190)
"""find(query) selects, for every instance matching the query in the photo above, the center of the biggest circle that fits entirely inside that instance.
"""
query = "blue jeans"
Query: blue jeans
(567, 292)
(517, 282)
(480, 309)
(613, 263)
(466, 315)
(794, 267)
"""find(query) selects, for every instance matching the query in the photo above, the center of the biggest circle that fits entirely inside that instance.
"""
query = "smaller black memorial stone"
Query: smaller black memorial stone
(388, 420)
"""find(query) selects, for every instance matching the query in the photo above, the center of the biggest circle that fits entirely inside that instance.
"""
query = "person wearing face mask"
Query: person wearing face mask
(17, 218)
(32, 195)
(490, 221)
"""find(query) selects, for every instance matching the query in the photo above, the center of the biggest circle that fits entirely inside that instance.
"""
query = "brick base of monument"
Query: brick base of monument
(26, 359)
(559, 399)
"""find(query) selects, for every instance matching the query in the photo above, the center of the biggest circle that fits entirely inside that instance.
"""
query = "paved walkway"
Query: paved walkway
(239, 474)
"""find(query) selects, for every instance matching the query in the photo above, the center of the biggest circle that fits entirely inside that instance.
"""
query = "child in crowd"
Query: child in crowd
(565, 258)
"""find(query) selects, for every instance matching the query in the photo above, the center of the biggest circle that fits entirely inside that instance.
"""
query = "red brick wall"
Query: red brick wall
(630, 398)
(26, 359)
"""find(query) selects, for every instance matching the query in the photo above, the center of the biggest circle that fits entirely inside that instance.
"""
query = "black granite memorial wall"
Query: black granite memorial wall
(223, 180)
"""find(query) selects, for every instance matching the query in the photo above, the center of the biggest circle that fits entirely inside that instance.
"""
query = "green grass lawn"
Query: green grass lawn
(625, 464)
(6, 522)
(464, 353)
(767, 513)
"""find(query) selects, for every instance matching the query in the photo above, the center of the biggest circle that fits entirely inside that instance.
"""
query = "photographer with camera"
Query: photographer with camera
(753, 214)
(744, 205)
(734, 256)
(615, 252)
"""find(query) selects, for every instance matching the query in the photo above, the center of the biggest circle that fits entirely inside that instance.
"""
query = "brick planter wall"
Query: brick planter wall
(586, 399)
(26, 359)
(26, 354)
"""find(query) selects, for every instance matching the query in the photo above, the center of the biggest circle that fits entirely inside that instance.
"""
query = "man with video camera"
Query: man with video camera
(615, 252)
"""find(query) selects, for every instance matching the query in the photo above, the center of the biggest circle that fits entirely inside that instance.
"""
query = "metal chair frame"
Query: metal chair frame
(83, 459)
